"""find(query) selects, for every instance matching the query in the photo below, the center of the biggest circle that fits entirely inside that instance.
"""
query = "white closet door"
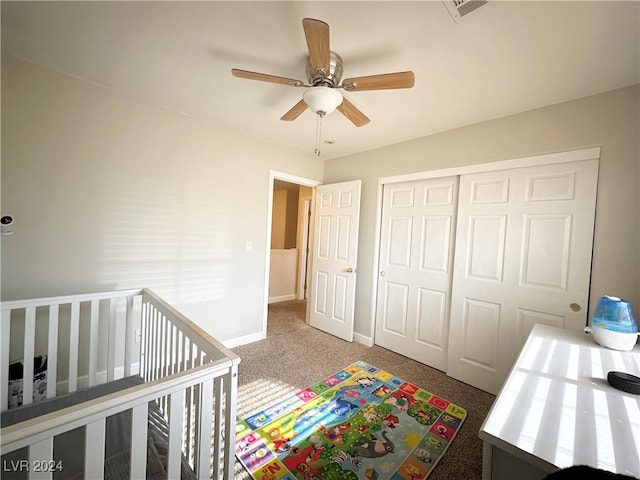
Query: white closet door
(414, 283)
(523, 256)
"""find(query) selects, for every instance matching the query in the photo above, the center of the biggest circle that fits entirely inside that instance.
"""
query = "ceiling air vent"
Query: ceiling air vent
(460, 8)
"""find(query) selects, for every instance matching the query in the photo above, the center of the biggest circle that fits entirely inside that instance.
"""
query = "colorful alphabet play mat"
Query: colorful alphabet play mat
(359, 423)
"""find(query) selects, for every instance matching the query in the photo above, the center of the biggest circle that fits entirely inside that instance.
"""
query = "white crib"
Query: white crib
(188, 379)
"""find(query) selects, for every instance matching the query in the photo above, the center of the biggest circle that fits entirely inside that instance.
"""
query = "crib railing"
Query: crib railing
(21, 319)
(174, 344)
(182, 366)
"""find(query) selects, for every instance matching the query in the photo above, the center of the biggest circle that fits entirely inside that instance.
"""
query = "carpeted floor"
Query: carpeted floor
(294, 356)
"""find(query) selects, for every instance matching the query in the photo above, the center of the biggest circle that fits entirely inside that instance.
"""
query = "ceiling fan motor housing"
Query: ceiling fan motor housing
(330, 78)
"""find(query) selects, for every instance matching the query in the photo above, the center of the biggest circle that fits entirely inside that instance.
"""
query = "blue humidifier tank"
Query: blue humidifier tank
(614, 325)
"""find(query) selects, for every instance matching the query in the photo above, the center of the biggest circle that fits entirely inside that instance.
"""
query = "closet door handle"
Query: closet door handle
(383, 273)
(349, 270)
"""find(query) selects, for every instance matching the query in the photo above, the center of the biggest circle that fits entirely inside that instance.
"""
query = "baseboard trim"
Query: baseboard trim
(255, 337)
(236, 342)
(363, 339)
(283, 298)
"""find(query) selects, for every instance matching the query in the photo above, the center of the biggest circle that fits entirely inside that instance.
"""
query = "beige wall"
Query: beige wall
(278, 218)
(609, 120)
(284, 224)
(112, 192)
(291, 227)
(283, 274)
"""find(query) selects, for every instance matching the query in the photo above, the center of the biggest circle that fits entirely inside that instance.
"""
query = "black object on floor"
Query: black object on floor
(625, 382)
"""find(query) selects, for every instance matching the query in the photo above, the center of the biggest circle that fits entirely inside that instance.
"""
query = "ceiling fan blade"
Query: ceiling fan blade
(317, 34)
(380, 82)
(295, 111)
(265, 78)
(350, 111)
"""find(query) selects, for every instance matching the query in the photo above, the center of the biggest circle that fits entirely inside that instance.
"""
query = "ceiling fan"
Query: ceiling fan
(324, 73)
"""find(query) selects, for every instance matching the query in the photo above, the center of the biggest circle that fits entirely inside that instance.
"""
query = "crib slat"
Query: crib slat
(93, 342)
(162, 351)
(189, 395)
(150, 341)
(231, 391)
(189, 405)
(197, 407)
(156, 343)
(112, 341)
(29, 352)
(128, 338)
(157, 357)
(74, 338)
(218, 424)
(165, 346)
(186, 348)
(41, 453)
(171, 349)
(175, 434)
(161, 354)
(146, 346)
(94, 449)
(139, 441)
(5, 333)
(179, 349)
(203, 447)
(52, 351)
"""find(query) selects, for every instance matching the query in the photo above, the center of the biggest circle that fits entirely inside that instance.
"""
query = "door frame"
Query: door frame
(304, 219)
(287, 177)
(530, 161)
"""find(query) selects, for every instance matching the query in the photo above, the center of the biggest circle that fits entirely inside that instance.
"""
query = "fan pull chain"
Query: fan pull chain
(318, 133)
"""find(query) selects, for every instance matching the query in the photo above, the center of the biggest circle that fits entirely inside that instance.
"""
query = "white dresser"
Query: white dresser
(557, 409)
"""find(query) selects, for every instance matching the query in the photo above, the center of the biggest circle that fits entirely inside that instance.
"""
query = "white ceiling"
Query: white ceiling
(504, 58)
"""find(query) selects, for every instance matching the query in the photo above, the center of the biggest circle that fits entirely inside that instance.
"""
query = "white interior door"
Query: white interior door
(414, 282)
(523, 256)
(335, 248)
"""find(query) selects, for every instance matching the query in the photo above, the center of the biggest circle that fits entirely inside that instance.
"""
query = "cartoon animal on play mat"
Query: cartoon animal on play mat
(346, 461)
(301, 461)
(374, 447)
(365, 381)
(342, 407)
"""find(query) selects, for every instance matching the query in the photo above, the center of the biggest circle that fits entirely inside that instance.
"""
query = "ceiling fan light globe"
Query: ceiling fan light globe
(322, 100)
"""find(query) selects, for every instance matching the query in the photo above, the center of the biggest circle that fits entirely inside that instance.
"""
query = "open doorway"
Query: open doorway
(290, 222)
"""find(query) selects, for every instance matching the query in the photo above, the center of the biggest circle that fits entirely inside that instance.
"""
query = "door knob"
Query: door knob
(382, 273)
(575, 307)
(349, 270)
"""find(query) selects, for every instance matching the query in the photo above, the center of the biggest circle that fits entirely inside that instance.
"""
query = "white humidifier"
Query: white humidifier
(613, 324)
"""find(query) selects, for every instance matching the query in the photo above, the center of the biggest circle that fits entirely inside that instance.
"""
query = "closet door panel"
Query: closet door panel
(395, 315)
(485, 247)
(414, 282)
(523, 244)
(481, 321)
(436, 243)
(432, 318)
